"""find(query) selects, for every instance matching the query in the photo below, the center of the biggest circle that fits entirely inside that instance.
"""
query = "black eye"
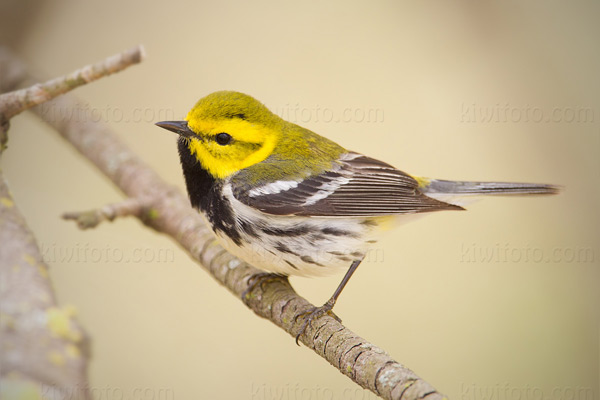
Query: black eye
(223, 138)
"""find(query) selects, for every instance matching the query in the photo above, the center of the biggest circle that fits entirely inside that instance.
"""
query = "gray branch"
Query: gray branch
(43, 349)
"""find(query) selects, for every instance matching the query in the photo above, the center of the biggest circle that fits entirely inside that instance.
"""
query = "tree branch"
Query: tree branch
(44, 350)
(92, 218)
(15, 102)
(167, 210)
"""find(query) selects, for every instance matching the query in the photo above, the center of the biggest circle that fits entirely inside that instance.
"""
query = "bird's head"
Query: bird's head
(228, 131)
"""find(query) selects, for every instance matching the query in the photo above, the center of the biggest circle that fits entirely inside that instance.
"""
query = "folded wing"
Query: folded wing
(355, 186)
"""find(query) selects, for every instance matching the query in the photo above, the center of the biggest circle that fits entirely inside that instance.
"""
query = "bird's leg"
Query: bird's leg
(259, 280)
(326, 308)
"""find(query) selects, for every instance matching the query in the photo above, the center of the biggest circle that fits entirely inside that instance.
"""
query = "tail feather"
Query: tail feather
(460, 188)
(461, 193)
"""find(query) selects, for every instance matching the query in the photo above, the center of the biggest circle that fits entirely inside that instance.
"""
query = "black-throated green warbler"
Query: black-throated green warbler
(291, 202)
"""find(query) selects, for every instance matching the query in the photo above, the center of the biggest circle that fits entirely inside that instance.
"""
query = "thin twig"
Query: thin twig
(15, 102)
(91, 219)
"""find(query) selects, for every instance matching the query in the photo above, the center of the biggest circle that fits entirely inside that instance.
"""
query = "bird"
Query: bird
(291, 202)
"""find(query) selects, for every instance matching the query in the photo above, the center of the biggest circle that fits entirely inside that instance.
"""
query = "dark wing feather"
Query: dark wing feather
(356, 186)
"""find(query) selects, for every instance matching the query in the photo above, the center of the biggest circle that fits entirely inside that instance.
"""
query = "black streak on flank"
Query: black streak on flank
(290, 264)
(369, 222)
(337, 232)
(284, 249)
(295, 231)
(309, 260)
(340, 256)
(205, 194)
(315, 237)
(247, 228)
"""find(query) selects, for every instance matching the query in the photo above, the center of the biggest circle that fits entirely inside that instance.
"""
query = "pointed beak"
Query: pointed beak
(179, 127)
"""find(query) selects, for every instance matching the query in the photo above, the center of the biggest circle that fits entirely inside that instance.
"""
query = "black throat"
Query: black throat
(198, 181)
(205, 193)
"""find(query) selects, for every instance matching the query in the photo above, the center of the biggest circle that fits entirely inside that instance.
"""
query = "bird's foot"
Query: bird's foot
(259, 279)
(314, 314)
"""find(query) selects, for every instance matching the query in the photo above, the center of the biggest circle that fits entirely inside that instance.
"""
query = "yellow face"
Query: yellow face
(234, 131)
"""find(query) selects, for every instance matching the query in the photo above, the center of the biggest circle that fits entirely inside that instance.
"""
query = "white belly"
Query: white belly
(299, 245)
(328, 245)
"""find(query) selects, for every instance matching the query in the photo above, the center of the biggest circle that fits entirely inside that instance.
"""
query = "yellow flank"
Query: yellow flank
(385, 223)
(251, 144)
(422, 181)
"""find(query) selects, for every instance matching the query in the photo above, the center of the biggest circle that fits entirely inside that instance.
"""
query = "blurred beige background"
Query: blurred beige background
(497, 303)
